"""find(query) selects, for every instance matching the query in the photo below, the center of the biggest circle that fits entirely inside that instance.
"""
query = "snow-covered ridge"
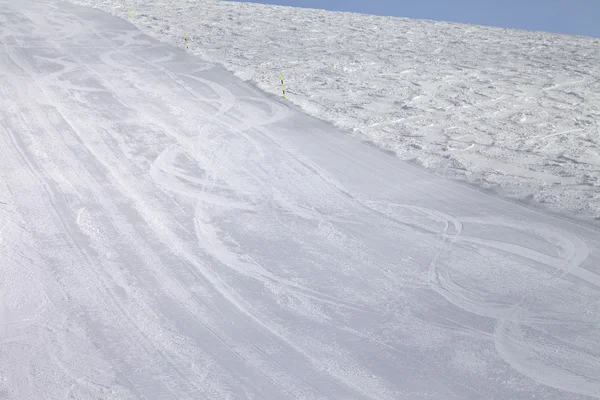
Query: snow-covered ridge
(507, 109)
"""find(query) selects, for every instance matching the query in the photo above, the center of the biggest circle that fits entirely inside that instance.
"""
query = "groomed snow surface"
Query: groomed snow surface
(168, 231)
(517, 112)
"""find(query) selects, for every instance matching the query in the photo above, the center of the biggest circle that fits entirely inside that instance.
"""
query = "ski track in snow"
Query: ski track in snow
(169, 231)
(512, 111)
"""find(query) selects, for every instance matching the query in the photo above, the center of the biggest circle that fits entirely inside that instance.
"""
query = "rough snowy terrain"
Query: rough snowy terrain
(168, 231)
(513, 111)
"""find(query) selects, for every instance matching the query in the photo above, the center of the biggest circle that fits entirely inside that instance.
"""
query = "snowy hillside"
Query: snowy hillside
(169, 231)
(512, 110)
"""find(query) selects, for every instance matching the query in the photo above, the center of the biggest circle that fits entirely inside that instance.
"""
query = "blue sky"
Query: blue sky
(581, 17)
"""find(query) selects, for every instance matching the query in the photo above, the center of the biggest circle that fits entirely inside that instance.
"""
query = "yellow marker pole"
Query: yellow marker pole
(131, 14)
(282, 86)
(186, 42)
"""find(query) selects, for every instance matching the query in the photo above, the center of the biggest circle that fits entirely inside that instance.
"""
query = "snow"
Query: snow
(513, 111)
(170, 231)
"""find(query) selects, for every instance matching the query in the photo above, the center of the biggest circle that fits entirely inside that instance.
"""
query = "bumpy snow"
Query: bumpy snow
(511, 110)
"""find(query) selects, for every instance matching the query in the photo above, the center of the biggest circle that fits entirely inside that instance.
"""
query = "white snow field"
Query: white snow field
(168, 231)
(514, 111)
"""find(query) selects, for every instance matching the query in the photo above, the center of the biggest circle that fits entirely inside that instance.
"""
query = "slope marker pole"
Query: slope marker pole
(282, 86)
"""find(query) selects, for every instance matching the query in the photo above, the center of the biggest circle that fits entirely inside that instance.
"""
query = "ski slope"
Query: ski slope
(168, 231)
(514, 111)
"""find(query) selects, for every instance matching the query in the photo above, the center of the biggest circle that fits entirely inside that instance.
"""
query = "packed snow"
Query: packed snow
(513, 111)
(169, 231)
